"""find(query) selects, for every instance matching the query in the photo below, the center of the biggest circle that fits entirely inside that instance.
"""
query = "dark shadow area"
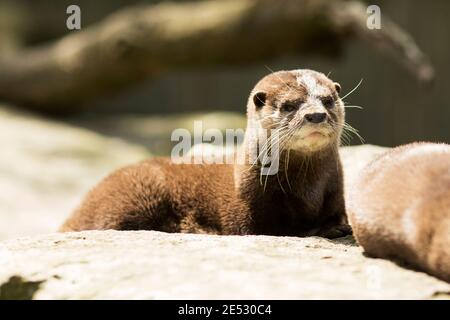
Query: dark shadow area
(347, 240)
(18, 288)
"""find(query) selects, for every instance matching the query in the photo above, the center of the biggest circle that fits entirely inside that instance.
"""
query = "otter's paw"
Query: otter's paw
(340, 230)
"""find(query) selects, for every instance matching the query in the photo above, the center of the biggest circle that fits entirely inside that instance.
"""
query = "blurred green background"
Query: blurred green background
(396, 109)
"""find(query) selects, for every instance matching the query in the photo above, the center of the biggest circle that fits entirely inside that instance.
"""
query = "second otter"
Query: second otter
(305, 197)
(399, 207)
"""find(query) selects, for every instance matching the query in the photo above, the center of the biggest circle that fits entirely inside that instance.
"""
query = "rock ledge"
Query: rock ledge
(155, 265)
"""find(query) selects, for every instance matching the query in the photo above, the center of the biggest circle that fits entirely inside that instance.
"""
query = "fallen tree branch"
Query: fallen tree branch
(145, 41)
(390, 39)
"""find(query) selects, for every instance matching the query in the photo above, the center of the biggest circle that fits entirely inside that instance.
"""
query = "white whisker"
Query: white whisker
(353, 90)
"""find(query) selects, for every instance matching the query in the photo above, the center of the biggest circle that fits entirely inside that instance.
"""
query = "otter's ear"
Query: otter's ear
(337, 86)
(259, 99)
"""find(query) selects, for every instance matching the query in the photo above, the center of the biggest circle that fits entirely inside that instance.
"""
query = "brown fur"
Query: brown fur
(399, 207)
(230, 199)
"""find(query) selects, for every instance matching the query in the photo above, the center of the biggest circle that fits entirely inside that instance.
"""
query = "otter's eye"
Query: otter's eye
(289, 107)
(328, 102)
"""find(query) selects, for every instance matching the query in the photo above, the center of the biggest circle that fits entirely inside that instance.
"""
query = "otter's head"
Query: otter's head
(303, 105)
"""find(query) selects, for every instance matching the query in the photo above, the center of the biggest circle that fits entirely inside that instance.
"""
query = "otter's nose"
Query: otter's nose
(316, 117)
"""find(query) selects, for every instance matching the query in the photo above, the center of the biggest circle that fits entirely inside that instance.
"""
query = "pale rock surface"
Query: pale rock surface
(154, 265)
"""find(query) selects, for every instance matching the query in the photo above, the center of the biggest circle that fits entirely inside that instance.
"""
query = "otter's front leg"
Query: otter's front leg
(336, 223)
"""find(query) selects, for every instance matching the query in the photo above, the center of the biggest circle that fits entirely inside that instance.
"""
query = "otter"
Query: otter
(304, 198)
(399, 207)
